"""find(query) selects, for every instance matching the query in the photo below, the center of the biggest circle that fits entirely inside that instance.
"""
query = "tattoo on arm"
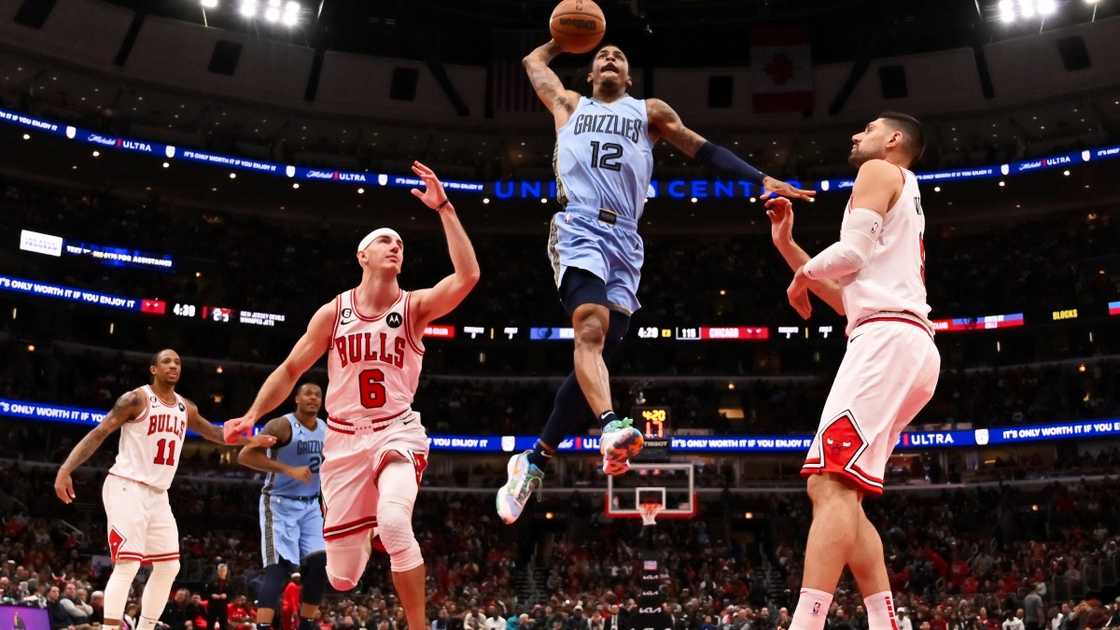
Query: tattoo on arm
(127, 407)
(669, 126)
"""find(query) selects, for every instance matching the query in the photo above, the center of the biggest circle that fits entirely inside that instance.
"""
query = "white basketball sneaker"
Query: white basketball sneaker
(524, 479)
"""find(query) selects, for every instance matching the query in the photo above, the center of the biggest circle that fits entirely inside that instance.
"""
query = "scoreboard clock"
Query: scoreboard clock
(654, 423)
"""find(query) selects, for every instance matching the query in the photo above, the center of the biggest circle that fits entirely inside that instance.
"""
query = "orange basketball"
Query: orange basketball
(577, 25)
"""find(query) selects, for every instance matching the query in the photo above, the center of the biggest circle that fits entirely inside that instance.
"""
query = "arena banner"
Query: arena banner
(70, 294)
(688, 444)
(681, 189)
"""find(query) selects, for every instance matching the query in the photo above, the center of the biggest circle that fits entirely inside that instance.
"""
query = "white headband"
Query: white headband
(372, 236)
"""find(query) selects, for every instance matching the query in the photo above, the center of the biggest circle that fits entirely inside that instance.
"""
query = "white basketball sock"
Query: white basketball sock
(116, 591)
(812, 610)
(880, 611)
(156, 593)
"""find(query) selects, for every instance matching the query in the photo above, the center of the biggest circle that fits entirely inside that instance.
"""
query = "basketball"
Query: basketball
(577, 25)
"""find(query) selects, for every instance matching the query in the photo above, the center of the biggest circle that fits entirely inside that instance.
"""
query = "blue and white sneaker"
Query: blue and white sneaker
(524, 479)
(619, 443)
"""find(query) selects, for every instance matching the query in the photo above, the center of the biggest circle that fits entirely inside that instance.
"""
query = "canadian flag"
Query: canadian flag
(781, 69)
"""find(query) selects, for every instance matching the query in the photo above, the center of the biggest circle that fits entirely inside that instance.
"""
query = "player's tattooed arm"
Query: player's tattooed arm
(666, 124)
(550, 89)
(213, 432)
(127, 408)
(253, 456)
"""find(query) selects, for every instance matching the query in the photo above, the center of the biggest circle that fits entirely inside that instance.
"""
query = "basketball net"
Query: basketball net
(649, 512)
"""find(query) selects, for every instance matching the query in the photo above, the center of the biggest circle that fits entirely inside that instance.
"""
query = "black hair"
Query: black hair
(155, 357)
(911, 129)
(299, 388)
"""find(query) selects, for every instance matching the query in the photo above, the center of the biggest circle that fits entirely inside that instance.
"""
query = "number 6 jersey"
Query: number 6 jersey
(150, 445)
(374, 363)
(604, 157)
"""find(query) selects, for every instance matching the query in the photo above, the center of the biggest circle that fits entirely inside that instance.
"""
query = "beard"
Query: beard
(856, 158)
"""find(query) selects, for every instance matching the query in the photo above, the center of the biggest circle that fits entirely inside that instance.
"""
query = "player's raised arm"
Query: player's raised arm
(429, 304)
(666, 124)
(780, 212)
(560, 101)
(253, 455)
(276, 388)
(127, 408)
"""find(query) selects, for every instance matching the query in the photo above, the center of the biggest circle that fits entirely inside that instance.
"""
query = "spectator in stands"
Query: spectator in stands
(75, 606)
(179, 611)
(59, 618)
(1034, 610)
(241, 614)
(97, 602)
(218, 591)
(474, 619)
(494, 620)
(1013, 621)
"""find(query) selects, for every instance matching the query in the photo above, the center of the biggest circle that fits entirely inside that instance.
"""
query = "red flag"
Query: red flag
(781, 69)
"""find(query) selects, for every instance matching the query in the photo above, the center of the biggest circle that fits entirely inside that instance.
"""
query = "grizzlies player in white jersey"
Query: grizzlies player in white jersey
(153, 420)
(603, 163)
(875, 275)
(291, 516)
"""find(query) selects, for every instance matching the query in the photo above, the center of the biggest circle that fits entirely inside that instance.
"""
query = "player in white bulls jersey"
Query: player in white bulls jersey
(875, 274)
(153, 421)
(376, 448)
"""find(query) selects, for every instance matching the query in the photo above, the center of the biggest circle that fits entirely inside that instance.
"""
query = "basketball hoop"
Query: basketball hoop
(649, 512)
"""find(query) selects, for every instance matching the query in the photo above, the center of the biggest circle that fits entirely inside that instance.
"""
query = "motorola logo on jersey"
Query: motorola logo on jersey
(394, 320)
(182, 407)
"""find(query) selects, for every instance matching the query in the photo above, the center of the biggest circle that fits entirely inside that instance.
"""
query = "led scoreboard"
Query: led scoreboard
(653, 422)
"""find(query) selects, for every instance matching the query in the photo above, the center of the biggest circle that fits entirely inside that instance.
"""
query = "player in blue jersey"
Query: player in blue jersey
(291, 516)
(603, 162)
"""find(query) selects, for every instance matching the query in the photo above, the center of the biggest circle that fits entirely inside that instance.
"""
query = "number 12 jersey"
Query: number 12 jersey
(604, 157)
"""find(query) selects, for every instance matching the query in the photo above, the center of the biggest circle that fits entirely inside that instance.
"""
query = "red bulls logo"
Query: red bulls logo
(841, 442)
(115, 543)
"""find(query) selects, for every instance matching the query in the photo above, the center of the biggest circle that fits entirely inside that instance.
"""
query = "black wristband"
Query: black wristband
(726, 161)
(445, 202)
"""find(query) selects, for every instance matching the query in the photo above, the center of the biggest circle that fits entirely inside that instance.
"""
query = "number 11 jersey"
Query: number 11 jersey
(374, 363)
(150, 445)
(604, 158)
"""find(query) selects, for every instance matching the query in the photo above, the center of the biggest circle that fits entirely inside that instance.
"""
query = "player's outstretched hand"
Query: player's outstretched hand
(433, 195)
(780, 212)
(64, 487)
(300, 473)
(798, 294)
(777, 186)
(237, 430)
(260, 440)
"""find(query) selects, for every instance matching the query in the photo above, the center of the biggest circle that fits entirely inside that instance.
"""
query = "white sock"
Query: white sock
(812, 610)
(116, 591)
(156, 593)
(880, 611)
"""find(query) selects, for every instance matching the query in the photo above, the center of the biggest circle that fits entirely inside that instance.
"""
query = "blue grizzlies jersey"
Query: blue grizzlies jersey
(604, 157)
(304, 449)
